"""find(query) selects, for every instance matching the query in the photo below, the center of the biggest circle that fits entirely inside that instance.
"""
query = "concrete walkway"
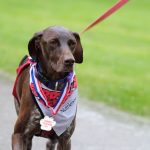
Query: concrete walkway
(98, 128)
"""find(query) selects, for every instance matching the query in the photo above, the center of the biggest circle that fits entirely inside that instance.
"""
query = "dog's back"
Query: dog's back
(23, 60)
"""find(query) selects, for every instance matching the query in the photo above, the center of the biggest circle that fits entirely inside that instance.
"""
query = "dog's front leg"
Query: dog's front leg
(51, 144)
(21, 138)
(20, 142)
(17, 142)
(64, 145)
(64, 140)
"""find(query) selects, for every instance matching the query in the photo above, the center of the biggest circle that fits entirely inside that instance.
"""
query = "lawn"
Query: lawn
(116, 53)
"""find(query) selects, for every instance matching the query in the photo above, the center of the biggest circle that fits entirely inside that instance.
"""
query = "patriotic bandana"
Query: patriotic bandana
(60, 105)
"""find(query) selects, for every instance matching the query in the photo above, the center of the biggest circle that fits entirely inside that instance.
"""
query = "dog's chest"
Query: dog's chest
(33, 126)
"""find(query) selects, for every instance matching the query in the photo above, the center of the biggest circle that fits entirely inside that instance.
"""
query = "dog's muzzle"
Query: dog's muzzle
(69, 64)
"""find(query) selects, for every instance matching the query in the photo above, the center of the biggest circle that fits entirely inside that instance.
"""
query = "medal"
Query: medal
(47, 123)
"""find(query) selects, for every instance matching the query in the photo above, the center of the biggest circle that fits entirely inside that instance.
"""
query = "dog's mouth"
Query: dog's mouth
(68, 67)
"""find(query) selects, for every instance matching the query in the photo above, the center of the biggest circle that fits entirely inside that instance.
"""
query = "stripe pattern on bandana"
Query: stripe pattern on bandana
(61, 105)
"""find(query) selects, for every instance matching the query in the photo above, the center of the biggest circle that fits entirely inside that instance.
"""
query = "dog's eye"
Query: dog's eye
(54, 43)
(72, 44)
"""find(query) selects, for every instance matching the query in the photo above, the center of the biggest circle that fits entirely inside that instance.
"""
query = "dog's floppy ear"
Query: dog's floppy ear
(78, 54)
(34, 45)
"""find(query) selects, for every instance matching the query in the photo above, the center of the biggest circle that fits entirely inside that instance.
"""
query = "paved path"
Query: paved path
(99, 128)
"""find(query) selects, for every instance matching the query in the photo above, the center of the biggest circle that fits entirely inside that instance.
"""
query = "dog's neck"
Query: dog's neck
(56, 80)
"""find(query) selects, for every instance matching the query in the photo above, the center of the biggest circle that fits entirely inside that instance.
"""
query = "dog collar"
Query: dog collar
(48, 83)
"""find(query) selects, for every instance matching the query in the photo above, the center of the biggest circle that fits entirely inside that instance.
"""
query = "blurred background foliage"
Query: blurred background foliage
(116, 52)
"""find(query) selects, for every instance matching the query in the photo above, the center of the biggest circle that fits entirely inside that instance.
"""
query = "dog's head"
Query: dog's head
(56, 48)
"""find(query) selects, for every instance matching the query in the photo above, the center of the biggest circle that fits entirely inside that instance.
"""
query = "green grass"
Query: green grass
(116, 53)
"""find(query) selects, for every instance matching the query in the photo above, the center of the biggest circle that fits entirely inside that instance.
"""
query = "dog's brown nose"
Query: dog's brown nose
(69, 62)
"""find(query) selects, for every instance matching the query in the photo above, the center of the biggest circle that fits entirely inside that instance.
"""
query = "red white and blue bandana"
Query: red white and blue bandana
(61, 105)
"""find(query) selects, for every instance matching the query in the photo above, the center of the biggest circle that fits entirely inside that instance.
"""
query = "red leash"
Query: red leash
(106, 14)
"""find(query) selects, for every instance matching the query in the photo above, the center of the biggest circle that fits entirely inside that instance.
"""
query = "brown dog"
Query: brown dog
(55, 49)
